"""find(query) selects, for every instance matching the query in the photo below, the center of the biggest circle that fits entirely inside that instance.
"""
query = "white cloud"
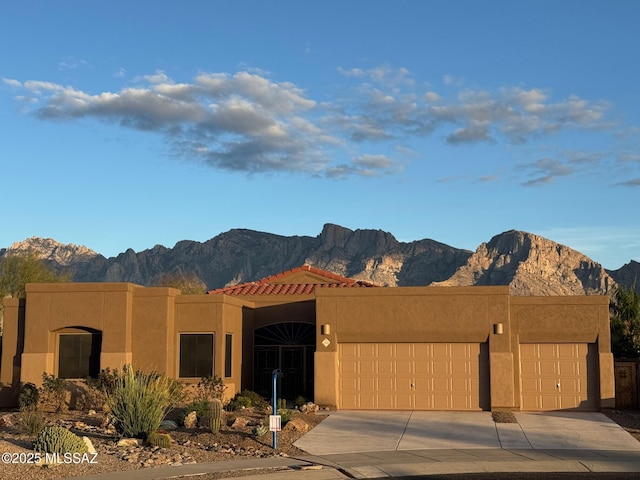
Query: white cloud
(246, 121)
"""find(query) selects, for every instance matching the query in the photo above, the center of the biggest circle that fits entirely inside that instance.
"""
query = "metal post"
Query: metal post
(274, 377)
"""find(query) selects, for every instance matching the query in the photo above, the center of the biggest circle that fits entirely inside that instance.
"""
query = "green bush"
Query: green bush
(201, 407)
(58, 440)
(54, 391)
(32, 421)
(139, 402)
(299, 401)
(211, 387)
(28, 396)
(246, 399)
(285, 416)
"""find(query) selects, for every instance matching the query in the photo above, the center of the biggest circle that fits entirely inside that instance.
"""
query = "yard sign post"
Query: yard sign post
(274, 419)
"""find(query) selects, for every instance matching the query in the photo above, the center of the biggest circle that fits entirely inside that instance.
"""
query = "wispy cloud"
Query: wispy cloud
(545, 170)
(248, 122)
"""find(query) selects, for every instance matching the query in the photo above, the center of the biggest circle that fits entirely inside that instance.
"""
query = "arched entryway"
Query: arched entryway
(289, 346)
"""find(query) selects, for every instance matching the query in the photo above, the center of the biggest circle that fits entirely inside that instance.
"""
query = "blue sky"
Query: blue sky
(131, 124)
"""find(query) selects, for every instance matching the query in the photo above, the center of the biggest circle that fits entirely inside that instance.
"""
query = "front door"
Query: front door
(289, 347)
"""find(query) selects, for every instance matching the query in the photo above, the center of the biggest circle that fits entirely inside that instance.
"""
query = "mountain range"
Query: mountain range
(528, 263)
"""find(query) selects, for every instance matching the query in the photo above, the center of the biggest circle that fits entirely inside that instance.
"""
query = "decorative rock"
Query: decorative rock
(10, 420)
(91, 412)
(239, 422)
(128, 442)
(191, 420)
(309, 407)
(168, 425)
(90, 447)
(297, 425)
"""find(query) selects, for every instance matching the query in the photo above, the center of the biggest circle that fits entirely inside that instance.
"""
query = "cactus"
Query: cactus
(216, 415)
(58, 440)
(158, 439)
(259, 430)
(282, 404)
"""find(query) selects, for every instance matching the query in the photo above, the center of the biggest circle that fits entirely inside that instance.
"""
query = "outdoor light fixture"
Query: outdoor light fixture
(498, 329)
(325, 329)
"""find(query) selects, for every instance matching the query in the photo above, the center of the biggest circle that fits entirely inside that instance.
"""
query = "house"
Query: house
(338, 341)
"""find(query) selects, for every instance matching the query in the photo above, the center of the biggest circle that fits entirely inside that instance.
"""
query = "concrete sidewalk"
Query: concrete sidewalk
(381, 444)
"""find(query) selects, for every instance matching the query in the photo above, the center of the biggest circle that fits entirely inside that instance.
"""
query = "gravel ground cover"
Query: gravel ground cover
(235, 441)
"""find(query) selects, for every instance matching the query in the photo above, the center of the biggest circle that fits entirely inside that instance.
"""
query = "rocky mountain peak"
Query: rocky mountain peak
(53, 251)
(532, 265)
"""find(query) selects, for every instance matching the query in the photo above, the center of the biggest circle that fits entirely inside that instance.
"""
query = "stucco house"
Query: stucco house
(338, 341)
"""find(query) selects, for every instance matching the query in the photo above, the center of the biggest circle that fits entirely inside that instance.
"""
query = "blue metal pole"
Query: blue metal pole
(274, 378)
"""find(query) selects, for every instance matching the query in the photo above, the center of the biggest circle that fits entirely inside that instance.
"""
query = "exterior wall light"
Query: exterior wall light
(498, 329)
(325, 329)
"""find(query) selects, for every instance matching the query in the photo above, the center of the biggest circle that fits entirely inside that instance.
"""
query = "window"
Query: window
(228, 355)
(196, 355)
(79, 355)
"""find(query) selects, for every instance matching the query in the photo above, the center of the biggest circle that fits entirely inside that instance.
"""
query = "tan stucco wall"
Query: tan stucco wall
(51, 308)
(460, 314)
(142, 325)
(12, 345)
(217, 314)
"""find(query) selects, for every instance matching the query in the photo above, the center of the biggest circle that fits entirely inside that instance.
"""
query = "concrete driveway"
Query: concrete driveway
(360, 431)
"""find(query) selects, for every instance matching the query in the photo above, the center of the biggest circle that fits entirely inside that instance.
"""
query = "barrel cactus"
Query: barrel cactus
(54, 439)
(216, 414)
(158, 439)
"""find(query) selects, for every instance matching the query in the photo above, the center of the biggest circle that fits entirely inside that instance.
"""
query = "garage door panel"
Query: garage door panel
(405, 376)
(558, 376)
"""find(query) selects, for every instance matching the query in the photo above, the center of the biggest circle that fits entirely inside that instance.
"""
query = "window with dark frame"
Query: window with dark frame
(228, 355)
(79, 355)
(196, 355)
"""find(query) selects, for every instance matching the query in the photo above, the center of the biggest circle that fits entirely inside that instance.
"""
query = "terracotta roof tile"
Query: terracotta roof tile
(266, 286)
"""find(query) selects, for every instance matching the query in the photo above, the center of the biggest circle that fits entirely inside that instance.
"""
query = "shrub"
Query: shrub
(139, 402)
(238, 403)
(285, 416)
(201, 407)
(54, 391)
(246, 399)
(211, 387)
(299, 401)
(32, 421)
(28, 396)
(58, 440)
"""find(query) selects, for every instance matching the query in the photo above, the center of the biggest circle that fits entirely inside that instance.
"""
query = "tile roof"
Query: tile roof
(272, 285)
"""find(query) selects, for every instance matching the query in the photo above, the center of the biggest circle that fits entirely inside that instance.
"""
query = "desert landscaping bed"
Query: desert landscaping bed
(235, 441)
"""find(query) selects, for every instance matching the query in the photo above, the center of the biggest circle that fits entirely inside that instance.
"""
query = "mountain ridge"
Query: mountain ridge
(528, 263)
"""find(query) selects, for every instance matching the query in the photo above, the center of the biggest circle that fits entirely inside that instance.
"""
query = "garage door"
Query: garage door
(558, 376)
(438, 376)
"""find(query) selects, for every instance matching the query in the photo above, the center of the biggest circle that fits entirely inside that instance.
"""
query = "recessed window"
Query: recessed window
(79, 355)
(228, 355)
(196, 355)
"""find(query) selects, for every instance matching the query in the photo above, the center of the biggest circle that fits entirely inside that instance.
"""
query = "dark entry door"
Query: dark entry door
(289, 347)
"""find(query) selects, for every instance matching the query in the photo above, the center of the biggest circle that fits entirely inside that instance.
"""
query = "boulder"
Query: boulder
(297, 425)
(128, 442)
(90, 447)
(191, 420)
(168, 425)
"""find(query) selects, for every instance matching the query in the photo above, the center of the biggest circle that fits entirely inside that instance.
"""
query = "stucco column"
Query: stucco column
(501, 366)
(326, 374)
